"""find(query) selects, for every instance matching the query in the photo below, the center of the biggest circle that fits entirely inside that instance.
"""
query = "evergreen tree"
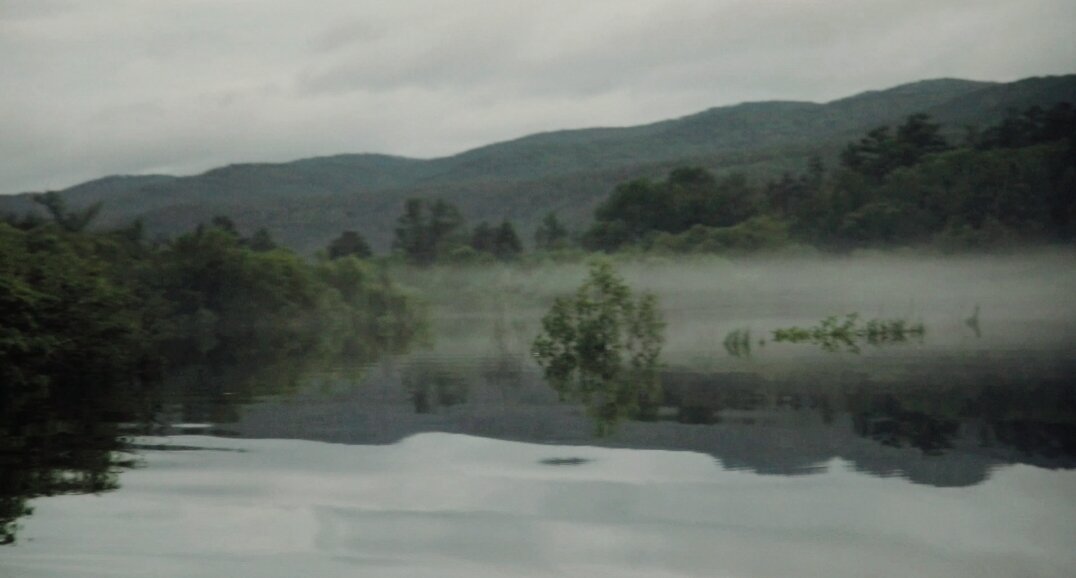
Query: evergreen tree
(506, 242)
(349, 243)
(226, 224)
(411, 235)
(880, 152)
(261, 241)
(551, 233)
(445, 222)
(426, 231)
(484, 238)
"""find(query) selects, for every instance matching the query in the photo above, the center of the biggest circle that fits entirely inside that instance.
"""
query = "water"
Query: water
(950, 456)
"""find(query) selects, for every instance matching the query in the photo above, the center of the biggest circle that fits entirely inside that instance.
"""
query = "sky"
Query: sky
(90, 88)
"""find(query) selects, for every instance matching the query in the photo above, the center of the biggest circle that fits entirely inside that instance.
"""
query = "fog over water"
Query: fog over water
(1024, 299)
(949, 454)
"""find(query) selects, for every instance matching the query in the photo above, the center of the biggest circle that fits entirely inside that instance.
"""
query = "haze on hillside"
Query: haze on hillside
(172, 87)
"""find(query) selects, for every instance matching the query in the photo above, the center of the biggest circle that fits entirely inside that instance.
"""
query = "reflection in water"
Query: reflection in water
(949, 419)
(939, 422)
(432, 387)
(961, 429)
(71, 436)
(54, 444)
(973, 322)
(456, 506)
(565, 461)
(892, 425)
(738, 343)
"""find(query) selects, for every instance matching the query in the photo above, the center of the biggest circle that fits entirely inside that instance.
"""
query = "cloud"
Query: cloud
(127, 86)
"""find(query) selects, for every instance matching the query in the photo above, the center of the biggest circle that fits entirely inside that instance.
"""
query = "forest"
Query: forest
(84, 303)
(1013, 183)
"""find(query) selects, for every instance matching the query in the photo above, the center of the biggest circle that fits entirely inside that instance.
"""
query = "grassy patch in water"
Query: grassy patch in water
(833, 333)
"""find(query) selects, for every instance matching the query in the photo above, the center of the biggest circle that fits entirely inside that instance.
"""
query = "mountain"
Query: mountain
(307, 202)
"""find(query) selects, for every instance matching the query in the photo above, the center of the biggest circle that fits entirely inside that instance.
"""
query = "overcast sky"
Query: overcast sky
(96, 87)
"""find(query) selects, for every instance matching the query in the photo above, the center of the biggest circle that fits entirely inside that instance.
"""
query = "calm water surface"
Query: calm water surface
(954, 455)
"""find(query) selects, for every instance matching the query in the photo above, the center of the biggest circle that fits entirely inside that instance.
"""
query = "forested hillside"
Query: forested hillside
(307, 202)
(1012, 183)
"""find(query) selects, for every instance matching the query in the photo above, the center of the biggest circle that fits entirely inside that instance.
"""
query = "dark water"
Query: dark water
(949, 455)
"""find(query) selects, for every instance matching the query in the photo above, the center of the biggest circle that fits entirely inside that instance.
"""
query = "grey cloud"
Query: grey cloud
(346, 34)
(88, 89)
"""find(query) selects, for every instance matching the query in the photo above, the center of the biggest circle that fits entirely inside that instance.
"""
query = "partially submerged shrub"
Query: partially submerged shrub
(600, 347)
(832, 334)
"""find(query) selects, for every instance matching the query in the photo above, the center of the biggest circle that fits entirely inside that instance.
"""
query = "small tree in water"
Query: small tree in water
(600, 347)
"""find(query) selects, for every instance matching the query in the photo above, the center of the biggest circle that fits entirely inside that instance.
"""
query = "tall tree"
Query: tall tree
(506, 242)
(483, 238)
(349, 243)
(261, 241)
(426, 230)
(411, 235)
(225, 223)
(550, 233)
(445, 220)
(880, 152)
(917, 138)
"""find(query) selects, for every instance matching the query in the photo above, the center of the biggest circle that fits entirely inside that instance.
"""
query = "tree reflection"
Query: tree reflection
(892, 425)
(432, 387)
(52, 442)
(965, 428)
(71, 436)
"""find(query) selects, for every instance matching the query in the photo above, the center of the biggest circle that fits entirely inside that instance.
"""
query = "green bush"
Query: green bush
(755, 234)
(600, 347)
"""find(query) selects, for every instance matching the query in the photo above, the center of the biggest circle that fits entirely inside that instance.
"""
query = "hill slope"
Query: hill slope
(304, 203)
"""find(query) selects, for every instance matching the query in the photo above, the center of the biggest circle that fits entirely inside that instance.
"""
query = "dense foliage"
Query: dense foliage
(1015, 181)
(501, 242)
(551, 234)
(349, 243)
(429, 232)
(81, 303)
(600, 347)
(90, 319)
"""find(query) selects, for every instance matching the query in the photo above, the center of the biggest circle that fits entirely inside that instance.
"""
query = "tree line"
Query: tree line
(435, 231)
(86, 305)
(909, 184)
(1012, 182)
(93, 321)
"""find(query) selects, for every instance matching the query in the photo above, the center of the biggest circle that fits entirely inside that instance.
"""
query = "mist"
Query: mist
(1022, 298)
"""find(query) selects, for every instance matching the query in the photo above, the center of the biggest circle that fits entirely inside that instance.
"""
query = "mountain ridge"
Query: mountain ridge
(307, 201)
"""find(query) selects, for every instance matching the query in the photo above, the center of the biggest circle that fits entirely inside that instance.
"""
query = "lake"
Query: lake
(948, 454)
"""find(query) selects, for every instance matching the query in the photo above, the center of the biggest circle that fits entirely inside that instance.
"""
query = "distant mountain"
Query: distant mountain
(307, 202)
